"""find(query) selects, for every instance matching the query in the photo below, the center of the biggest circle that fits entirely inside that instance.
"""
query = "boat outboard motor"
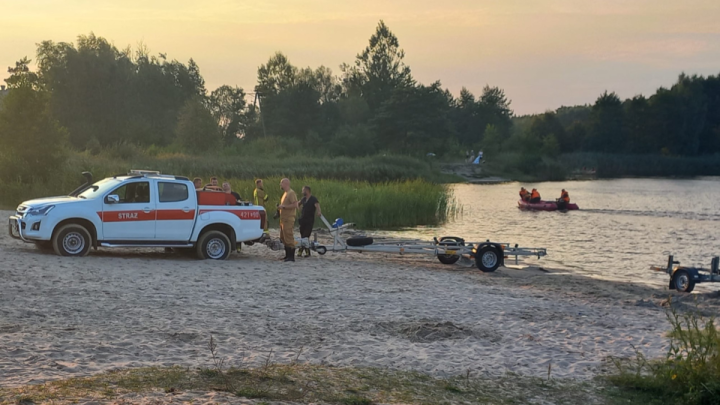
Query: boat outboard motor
(88, 182)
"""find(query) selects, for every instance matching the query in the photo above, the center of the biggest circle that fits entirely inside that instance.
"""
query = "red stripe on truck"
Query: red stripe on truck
(127, 216)
(242, 214)
(175, 215)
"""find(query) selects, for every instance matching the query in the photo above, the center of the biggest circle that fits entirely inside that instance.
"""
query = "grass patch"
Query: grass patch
(311, 383)
(690, 371)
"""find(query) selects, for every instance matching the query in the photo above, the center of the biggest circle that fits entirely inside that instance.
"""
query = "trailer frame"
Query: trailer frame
(488, 256)
(683, 278)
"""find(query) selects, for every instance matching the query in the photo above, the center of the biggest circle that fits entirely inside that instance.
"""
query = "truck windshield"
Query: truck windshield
(99, 188)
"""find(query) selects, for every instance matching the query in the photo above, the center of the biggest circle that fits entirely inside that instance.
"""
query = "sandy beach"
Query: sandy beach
(65, 317)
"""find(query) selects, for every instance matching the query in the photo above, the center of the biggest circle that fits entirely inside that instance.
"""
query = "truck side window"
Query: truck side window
(172, 192)
(133, 192)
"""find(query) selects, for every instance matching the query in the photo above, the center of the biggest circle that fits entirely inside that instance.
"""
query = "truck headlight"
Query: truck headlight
(40, 210)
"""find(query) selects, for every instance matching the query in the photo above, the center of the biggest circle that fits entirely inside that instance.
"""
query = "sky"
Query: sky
(543, 53)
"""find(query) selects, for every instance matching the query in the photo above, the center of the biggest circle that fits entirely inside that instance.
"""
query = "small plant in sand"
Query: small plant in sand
(690, 371)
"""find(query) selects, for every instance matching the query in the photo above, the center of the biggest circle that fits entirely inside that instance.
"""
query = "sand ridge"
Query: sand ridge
(65, 317)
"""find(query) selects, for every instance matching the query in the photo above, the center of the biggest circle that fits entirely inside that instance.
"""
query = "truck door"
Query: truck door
(129, 213)
(175, 212)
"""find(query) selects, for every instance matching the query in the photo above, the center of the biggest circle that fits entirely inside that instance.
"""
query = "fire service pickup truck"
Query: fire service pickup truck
(140, 209)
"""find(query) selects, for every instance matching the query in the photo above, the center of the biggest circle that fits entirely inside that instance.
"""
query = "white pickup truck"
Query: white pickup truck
(141, 209)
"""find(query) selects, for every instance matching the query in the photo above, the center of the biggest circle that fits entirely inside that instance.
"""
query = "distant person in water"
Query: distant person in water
(534, 196)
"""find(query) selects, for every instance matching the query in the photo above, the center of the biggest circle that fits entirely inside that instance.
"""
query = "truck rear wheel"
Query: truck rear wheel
(213, 245)
(72, 240)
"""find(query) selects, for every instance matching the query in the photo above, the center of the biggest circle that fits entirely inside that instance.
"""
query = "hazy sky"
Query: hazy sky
(544, 53)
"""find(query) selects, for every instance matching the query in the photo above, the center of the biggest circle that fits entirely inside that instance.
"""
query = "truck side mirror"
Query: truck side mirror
(112, 199)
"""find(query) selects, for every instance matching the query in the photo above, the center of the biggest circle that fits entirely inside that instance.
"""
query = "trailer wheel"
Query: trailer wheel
(450, 241)
(359, 241)
(448, 259)
(683, 282)
(459, 241)
(321, 250)
(487, 259)
(213, 245)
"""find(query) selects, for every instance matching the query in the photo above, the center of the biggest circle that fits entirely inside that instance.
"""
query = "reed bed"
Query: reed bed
(374, 192)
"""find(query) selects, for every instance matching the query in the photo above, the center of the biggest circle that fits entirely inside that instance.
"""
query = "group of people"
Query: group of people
(214, 186)
(470, 156)
(289, 204)
(534, 196)
(287, 208)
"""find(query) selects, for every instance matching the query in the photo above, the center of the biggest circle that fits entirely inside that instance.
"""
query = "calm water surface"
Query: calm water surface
(622, 227)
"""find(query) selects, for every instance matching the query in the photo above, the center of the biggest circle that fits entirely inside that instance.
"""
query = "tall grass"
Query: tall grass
(369, 205)
(689, 373)
(373, 192)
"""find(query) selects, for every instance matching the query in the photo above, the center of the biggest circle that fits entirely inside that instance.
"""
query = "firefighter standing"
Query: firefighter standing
(261, 197)
(288, 207)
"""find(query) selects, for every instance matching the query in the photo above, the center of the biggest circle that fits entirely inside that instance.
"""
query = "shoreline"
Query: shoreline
(472, 174)
(134, 308)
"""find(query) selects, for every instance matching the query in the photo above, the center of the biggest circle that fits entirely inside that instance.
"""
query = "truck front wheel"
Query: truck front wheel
(71, 240)
(213, 245)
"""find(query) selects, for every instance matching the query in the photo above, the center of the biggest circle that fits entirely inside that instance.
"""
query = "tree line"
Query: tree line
(683, 120)
(91, 95)
(97, 95)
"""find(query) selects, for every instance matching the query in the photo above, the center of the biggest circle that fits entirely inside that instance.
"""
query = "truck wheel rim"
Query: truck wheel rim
(489, 259)
(73, 243)
(682, 281)
(215, 249)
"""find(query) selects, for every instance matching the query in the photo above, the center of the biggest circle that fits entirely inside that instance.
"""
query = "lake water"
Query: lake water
(622, 227)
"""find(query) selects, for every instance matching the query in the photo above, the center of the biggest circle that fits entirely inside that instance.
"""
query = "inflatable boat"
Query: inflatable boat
(544, 206)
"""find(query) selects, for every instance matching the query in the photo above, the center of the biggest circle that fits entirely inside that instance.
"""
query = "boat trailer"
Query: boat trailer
(683, 278)
(488, 255)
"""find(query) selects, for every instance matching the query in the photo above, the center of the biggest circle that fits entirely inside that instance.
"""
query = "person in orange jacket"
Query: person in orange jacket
(565, 196)
(524, 194)
(564, 200)
(534, 196)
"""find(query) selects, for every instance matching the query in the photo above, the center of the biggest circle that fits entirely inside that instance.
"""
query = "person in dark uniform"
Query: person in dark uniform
(227, 189)
(310, 209)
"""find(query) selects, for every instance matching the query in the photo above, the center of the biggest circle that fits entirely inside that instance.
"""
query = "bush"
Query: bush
(31, 142)
(689, 373)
